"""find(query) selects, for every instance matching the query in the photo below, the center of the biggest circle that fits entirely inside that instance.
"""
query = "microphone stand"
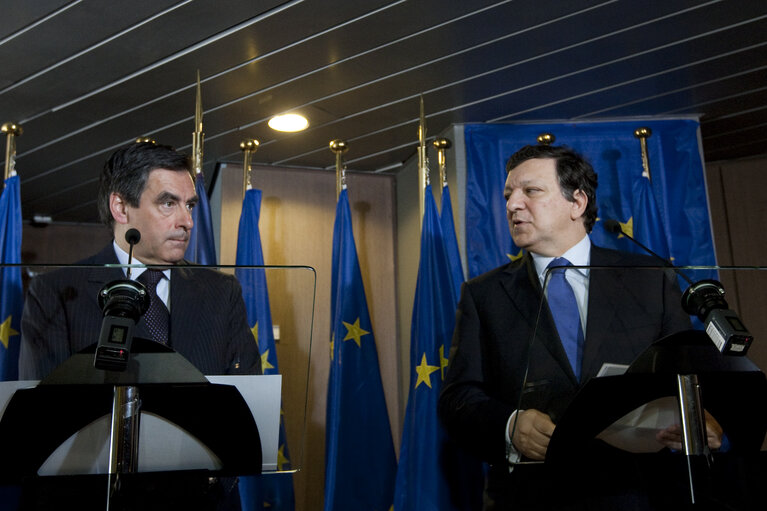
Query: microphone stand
(694, 441)
(126, 417)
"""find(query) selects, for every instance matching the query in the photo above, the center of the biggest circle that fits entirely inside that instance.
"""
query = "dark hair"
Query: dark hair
(573, 172)
(127, 170)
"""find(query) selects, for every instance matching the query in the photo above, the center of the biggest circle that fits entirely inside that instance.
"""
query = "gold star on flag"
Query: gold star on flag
(265, 361)
(513, 257)
(353, 331)
(6, 332)
(424, 371)
(628, 227)
(442, 362)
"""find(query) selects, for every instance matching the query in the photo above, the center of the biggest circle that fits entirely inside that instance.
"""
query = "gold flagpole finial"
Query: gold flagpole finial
(546, 138)
(12, 130)
(423, 162)
(339, 147)
(197, 136)
(643, 134)
(442, 145)
(248, 147)
(145, 140)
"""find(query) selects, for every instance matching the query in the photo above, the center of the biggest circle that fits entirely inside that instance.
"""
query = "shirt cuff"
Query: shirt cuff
(512, 455)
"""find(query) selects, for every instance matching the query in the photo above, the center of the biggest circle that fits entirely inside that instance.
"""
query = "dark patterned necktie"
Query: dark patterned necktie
(564, 308)
(157, 317)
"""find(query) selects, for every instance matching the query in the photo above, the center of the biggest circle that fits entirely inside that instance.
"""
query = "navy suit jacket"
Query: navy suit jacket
(208, 319)
(488, 374)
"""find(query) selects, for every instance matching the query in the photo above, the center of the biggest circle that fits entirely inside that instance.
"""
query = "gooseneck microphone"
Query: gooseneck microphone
(705, 300)
(122, 302)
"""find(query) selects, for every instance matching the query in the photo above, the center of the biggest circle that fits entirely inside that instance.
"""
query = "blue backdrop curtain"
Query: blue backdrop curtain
(669, 214)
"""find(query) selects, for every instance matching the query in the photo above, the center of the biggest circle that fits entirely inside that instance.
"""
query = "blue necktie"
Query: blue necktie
(564, 308)
(157, 317)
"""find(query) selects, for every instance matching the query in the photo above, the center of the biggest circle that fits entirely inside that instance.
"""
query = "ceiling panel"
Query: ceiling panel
(84, 80)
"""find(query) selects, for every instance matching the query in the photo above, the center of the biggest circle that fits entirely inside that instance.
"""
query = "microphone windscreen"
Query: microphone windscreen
(613, 226)
(132, 236)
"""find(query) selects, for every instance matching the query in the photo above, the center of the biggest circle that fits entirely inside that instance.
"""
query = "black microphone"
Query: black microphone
(123, 302)
(705, 300)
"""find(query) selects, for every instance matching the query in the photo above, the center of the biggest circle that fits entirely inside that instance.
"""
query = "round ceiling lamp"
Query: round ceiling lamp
(288, 122)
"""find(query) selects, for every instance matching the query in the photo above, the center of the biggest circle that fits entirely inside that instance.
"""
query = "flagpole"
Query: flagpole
(197, 135)
(546, 138)
(643, 134)
(248, 146)
(442, 145)
(423, 162)
(339, 147)
(12, 130)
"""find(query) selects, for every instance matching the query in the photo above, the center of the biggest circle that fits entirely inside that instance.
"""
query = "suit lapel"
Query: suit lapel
(98, 277)
(604, 306)
(182, 288)
(523, 288)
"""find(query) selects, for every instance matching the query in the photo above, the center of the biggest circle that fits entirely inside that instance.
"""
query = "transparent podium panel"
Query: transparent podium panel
(642, 363)
(214, 382)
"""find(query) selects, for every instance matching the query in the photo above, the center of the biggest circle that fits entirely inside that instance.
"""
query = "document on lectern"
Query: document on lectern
(163, 445)
(635, 432)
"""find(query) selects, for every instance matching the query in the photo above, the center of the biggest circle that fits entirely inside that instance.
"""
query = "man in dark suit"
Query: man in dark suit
(504, 393)
(146, 187)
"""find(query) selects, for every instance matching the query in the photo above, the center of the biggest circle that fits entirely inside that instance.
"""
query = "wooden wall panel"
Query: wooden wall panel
(739, 212)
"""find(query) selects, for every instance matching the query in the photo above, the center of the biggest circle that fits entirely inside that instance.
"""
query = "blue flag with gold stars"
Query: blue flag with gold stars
(360, 462)
(447, 224)
(425, 465)
(202, 245)
(668, 213)
(267, 491)
(12, 298)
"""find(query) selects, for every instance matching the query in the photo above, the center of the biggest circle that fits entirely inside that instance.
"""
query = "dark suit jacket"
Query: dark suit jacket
(496, 321)
(208, 319)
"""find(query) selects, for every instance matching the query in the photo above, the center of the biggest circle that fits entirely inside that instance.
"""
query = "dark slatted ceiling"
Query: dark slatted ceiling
(84, 77)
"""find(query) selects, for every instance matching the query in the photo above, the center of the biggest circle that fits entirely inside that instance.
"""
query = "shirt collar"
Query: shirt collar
(578, 255)
(122, 257)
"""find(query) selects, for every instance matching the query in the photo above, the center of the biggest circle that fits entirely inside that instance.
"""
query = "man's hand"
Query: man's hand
(671, 437)
(532, 434)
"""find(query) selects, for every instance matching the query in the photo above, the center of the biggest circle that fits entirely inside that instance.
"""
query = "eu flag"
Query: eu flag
(11, 300)
(268, 491)
(360, 463)
(202, 245)
(425, 463)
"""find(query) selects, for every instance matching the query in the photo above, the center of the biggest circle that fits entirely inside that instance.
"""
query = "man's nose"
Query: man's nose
(514, 202)
(186, 221)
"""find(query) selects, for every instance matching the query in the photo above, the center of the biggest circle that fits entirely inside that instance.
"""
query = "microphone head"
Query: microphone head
(132, 236)
(613, 226)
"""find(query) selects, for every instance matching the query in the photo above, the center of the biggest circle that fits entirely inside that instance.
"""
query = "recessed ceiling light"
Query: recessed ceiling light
(288, 122)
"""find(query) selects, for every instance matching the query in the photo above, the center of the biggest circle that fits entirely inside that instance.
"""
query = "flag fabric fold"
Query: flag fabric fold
(267, 491)
(12, 292)
(360, 462)
(202, 244)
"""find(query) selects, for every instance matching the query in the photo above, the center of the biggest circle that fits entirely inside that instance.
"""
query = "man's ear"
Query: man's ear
(579, 203)
(118, 208)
